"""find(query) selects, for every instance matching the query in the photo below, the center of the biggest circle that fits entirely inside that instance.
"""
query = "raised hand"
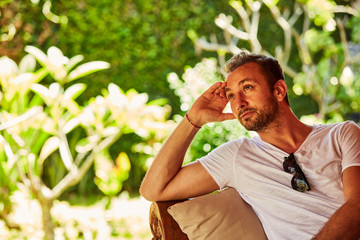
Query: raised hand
(166, 178)
(210, 105)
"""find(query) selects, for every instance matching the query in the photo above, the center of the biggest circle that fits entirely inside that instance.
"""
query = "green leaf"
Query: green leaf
(106, 179)
(40, 74)
(123, 164)
(73, 62)
(8, 152)
(56, 56)
(27, 64)
(84, 145)
(74, 91)
(115, 89)
(268, 3)
(38, 139)
(87, 68)
(72, 106)
(3, 177)
(131, 91)
(110, 186)
(110, 178)
(7, 67)
(36, 100)
(235, 4)
(71, 124)
(158, 102)
(48, 148)
(65, 153)
(42, 91)
(192, 35)
(38, 54)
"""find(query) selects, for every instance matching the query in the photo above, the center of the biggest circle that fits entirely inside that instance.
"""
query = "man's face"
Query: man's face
(250, 98)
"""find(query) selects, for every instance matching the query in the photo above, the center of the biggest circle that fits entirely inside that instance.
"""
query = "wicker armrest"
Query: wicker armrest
(162, 225)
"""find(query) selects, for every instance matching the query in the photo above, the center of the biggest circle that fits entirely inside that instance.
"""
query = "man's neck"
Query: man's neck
(286, 133)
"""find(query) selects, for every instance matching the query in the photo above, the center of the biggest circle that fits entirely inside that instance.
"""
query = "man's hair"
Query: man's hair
(269, 66)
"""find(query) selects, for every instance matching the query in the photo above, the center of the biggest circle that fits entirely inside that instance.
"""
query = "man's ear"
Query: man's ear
(280, 90)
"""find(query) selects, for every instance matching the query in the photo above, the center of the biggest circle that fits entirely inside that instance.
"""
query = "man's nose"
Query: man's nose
(240, 103)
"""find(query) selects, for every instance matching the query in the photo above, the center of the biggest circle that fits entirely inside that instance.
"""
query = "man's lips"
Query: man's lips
(246, 114)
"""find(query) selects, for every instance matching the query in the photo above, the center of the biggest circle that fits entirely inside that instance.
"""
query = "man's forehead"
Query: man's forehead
(245, 69)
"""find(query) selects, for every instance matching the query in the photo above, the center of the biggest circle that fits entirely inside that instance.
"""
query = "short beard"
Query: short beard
(264, 117)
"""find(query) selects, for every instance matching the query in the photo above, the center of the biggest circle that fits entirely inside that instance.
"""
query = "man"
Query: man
(302, 181)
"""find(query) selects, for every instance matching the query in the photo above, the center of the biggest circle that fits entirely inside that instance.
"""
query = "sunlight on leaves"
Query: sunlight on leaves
(87, 68)
(48, 148)
(44, 139)
(109, 177)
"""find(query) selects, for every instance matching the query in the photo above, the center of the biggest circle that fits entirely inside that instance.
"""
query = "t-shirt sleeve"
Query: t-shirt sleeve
(349, 139)
(220, 163)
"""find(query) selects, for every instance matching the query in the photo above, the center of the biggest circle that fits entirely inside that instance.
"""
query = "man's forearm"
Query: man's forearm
(166, 179)
(344, 224)
(169, 161)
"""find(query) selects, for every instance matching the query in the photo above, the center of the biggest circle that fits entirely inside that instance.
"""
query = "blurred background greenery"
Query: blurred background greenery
(148, 60)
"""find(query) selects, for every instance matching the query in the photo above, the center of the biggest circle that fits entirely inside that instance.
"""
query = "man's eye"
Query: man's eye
(247, 87)
(230, 96)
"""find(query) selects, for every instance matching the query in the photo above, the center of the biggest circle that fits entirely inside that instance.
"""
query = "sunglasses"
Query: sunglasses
(298, 182)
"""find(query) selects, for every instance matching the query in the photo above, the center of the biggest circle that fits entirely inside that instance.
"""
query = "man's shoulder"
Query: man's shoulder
(335, 129)
(337, 125)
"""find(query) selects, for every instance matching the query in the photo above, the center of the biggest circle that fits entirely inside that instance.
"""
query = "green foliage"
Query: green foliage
(354, 24)
(142, 40)
(36, 120)
(8, 179)
(319, 40)
(321, 11)
(109, 176)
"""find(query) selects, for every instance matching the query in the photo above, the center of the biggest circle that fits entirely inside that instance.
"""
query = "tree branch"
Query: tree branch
(76, 174)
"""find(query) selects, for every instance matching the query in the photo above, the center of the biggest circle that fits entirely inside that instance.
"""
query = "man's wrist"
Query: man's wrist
(192, 123)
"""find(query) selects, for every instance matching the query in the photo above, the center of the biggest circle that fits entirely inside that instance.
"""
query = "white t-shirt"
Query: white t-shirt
(254, 168)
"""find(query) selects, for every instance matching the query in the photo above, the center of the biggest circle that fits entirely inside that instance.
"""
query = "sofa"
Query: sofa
(220, 215)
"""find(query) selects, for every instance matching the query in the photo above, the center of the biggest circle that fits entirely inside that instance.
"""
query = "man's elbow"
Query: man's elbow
(148, 194)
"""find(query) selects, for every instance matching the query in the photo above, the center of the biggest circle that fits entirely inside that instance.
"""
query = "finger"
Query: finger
(226, 116)
(214, 87)
(223, 92)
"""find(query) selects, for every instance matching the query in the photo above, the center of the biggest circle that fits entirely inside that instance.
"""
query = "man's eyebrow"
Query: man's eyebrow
(242, 82)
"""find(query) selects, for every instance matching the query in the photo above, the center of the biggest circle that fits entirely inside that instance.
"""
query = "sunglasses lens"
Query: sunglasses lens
(299, 183)
(289, 166)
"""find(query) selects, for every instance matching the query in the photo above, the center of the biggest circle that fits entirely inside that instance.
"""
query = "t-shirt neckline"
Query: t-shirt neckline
(258, 139)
